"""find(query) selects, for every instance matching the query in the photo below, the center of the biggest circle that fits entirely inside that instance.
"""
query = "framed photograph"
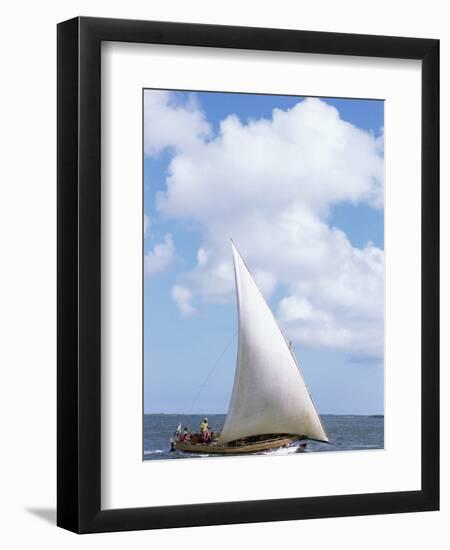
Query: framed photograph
(248, 275)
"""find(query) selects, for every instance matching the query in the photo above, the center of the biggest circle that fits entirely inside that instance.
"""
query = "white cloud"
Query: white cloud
(341, 306)
(160, 258)
(182, 297)
(202, 256)
(270, 184)
(305, 154)
(170, 124)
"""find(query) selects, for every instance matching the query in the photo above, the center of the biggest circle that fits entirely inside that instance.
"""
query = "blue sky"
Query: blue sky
(298, 184)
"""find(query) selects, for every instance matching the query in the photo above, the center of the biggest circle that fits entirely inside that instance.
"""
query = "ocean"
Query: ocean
(345, 432)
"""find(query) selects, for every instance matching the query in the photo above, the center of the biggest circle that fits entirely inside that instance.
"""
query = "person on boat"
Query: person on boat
(185, 435)
(204, 428)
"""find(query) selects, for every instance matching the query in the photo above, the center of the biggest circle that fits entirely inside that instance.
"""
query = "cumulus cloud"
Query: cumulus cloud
(305, 154)
(342, 306)
(271, 184)
(160, 258)
(171, 124)
(182, 297)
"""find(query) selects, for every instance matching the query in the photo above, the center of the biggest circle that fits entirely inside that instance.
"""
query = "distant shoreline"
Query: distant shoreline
(224, 414)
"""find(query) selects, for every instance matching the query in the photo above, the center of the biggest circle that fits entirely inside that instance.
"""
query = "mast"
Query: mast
(269, 394)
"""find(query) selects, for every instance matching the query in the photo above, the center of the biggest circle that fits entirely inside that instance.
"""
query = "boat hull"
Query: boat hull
(246, 448)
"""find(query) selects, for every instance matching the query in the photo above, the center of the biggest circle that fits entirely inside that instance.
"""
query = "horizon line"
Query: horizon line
(225, 413)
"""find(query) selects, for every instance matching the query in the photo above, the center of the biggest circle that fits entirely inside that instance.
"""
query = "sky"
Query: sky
(298, 184)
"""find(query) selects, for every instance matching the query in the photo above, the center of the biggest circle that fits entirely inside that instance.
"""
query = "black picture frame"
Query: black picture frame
(79, 280)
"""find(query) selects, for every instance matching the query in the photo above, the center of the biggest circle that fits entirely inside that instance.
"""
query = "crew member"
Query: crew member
(185, 435)
(204, 428)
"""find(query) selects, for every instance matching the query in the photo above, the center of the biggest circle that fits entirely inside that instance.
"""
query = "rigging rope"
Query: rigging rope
(202, 386)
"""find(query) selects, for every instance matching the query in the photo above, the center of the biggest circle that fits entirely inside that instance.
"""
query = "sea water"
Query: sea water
(345, 433)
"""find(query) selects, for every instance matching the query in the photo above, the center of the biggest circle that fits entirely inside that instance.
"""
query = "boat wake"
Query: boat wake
(282, 451)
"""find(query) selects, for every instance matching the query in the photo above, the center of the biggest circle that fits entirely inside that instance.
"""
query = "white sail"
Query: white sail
(269, 394)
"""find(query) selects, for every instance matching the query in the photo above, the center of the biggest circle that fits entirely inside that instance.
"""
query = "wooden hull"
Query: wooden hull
(246, 448)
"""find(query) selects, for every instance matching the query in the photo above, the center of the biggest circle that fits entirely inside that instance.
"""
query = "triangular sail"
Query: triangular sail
(269, 393)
